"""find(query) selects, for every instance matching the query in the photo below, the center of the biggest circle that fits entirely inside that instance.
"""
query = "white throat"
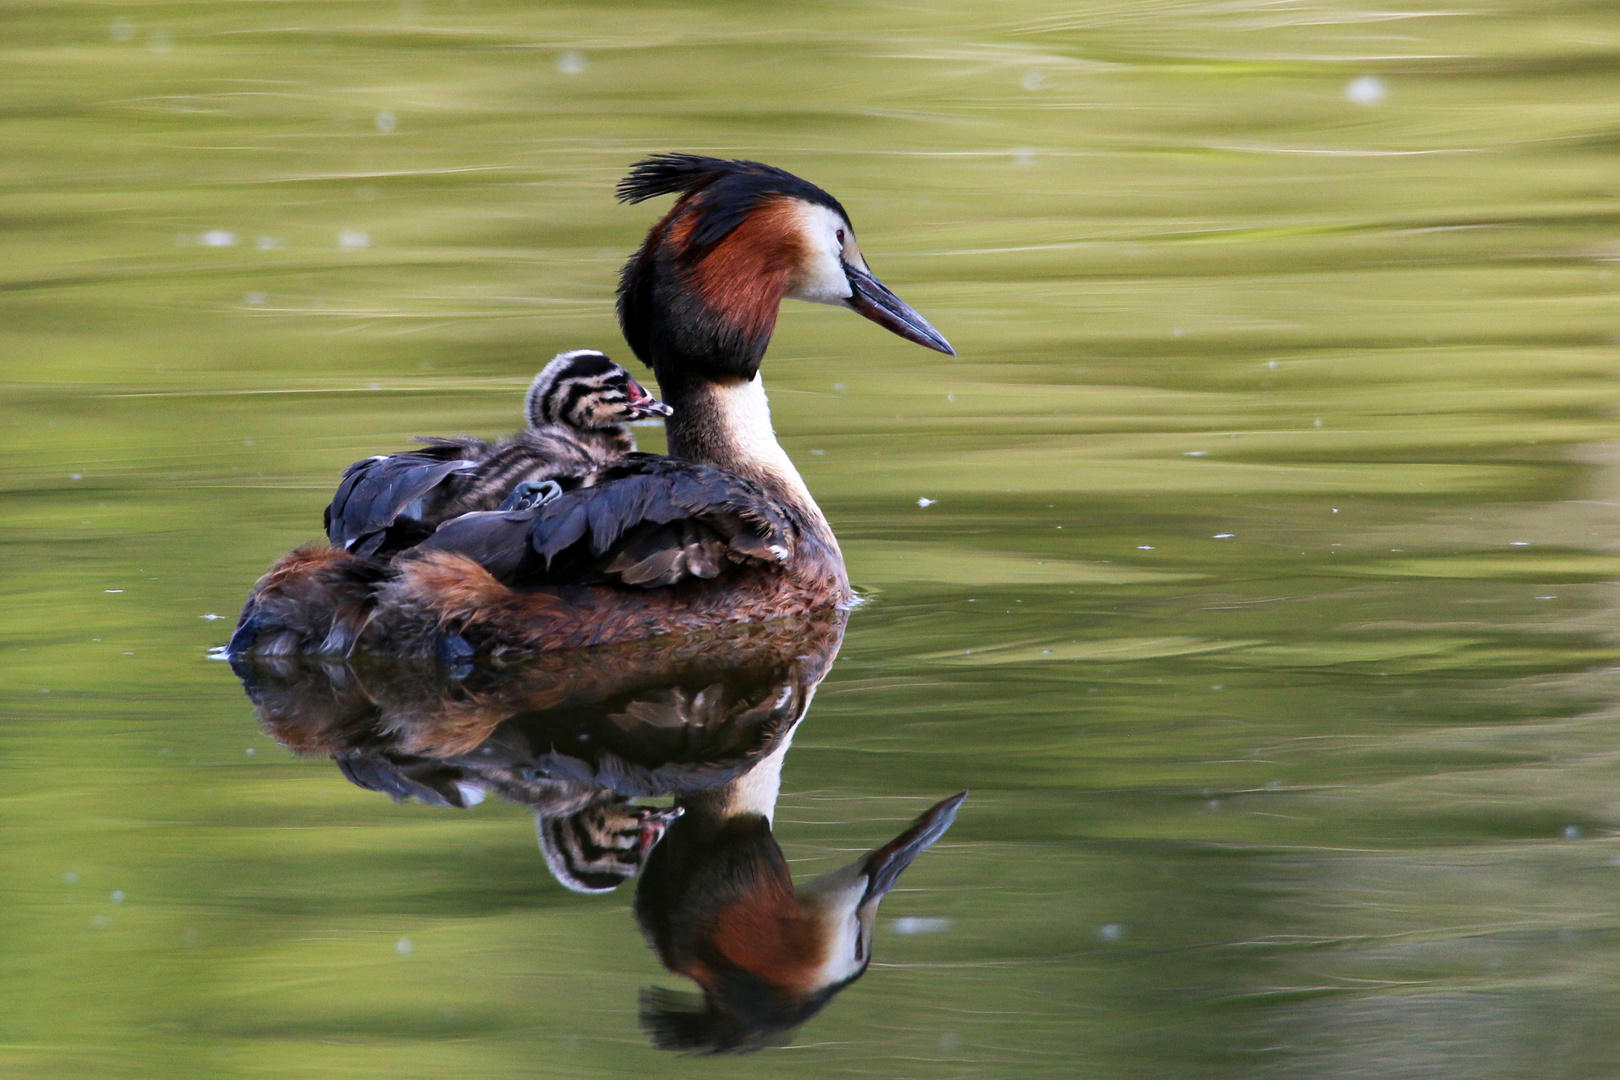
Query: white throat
(744, 414)
(756, 790)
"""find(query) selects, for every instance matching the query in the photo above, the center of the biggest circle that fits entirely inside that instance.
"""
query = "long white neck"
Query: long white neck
(729, 423)
(754, 792)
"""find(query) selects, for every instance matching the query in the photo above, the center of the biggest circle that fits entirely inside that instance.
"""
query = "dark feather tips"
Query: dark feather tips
(742, 182)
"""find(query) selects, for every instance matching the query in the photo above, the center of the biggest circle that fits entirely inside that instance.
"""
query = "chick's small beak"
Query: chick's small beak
(872, 298)
(642, 403)
(653, 827)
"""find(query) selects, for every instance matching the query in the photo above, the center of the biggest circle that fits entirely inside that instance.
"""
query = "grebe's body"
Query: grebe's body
(722, 531)
(577, 409)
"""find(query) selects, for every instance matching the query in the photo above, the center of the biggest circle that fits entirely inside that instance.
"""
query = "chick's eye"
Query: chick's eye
(840, 237)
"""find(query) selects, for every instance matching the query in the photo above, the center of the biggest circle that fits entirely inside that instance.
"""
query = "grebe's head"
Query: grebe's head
(584, 389)
(701, 296)
(718, 902)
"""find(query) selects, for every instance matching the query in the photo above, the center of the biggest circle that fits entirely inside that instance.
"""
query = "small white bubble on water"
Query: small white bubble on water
(1196, 453)
(1144, 547)
(1365, 90)
(919, 924)
(353, 239)
(1111, 931)
(210, 616)
(386, 121)
(1180, 331)
(1572, 832)
(818, 453)
(571, 62)
(70, 878)
(1023, 157)
(1032, 80)
(217, 238)
(77, 476)
(268, 243)
(1318, 421)
(254, 299)
(1223, 536)
(117, 896)
(1546, 598)
(403, 946)
(159, 41)
(925, 501)
(1272, 364)
(1519, 543)
(122, 30)
(248, 751)
(112, 590)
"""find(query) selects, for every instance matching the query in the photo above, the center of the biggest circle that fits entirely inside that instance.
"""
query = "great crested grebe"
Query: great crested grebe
(722, 531)
(576, 408)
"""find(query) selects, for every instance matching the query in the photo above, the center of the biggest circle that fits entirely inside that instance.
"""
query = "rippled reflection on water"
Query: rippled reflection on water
(580, 737)
(1262, 595)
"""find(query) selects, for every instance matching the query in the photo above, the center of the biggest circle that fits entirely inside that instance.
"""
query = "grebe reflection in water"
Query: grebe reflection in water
(584, 738)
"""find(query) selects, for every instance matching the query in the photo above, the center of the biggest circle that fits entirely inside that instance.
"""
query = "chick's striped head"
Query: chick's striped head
(584, 389)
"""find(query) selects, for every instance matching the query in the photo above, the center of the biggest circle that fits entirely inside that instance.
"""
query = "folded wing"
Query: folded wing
(387, 503)
(649, 521)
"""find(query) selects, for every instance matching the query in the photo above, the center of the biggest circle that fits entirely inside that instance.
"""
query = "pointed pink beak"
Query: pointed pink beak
(657, 822)
(643, 404)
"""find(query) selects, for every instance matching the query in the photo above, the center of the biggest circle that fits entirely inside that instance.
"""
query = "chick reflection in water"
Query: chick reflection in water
(580, 738)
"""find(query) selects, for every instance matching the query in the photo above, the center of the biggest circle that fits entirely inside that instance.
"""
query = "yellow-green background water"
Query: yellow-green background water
(1341, 786)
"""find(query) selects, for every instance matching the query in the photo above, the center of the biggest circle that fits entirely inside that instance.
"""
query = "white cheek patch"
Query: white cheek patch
(821, 280)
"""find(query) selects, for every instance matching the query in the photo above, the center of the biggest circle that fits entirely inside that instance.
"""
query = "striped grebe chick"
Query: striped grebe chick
(577, 409)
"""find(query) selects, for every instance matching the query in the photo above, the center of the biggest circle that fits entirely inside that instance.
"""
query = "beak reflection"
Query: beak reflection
(885, 865)
(873, 299)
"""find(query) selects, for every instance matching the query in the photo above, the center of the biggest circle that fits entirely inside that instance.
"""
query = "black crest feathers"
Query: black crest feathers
(724, 191)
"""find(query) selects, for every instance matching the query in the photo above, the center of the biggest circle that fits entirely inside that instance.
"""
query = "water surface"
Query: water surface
(1263, 597)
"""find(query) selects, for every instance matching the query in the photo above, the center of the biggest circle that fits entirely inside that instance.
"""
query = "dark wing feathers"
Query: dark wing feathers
(648, 521)
(497, 540)
(653, 555)
(657, 490)
(375, 493)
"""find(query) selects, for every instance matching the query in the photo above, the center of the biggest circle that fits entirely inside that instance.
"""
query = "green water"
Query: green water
(1333, 796)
